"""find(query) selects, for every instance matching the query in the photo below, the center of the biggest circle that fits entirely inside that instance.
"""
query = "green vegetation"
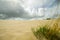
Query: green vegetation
(48, 32)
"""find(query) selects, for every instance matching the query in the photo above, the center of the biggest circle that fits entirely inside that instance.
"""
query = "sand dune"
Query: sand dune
(19, 30)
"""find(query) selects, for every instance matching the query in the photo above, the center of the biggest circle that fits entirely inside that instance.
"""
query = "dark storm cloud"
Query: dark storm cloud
(9, 9)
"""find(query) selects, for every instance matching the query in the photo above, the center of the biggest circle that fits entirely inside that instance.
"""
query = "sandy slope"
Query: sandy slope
(18, 30)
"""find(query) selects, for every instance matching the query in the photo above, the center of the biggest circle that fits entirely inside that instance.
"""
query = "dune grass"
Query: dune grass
(49, 31)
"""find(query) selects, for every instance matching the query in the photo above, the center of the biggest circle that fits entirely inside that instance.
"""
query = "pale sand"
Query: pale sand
(19, 30)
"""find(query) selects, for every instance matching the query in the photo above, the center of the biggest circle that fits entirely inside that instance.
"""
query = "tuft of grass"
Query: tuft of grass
(48, 32)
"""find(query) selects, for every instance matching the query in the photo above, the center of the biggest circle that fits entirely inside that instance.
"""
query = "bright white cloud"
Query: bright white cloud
(31, 6)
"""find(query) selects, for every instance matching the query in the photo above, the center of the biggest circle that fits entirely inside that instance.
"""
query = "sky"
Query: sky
(29, 9)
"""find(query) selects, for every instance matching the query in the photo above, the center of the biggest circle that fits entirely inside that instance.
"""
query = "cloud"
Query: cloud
(13, 9)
